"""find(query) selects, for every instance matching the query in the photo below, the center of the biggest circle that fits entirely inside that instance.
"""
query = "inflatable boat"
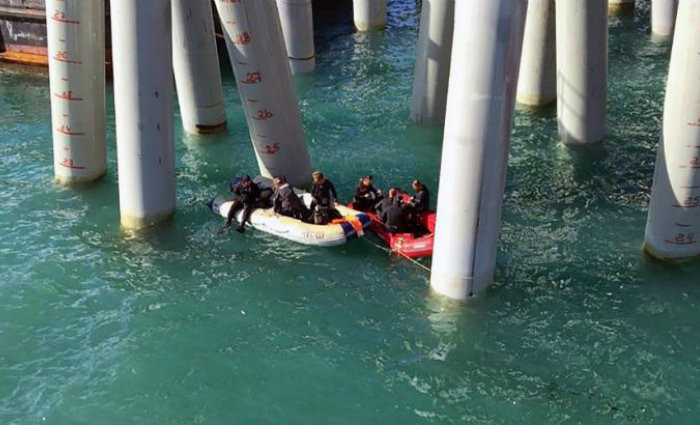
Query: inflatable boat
(411, 245)
(337, 232)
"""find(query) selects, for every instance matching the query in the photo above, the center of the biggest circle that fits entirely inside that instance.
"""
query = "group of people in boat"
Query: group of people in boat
(397, 215)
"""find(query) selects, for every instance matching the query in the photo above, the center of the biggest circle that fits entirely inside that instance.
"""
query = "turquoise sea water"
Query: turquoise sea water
(182, 325)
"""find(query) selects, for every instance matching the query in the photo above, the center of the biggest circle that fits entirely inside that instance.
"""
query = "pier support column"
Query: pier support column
(432, 70)
(582, 63)
(143, 100)
(369, 15)
(296, 17)
(256, 48)
(537, 84)
(620, 6)
(76, 34)
(479, 117)
(663, 17)
(196, 67)
(673, 223)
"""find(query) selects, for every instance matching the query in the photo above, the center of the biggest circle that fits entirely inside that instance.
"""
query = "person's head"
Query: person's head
(278, 181)
(392, 193)
(246, 181)
(318, 177)
(417, 185)
(367, 181)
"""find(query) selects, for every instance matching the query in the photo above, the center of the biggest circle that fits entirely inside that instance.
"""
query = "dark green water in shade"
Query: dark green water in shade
(185, 326)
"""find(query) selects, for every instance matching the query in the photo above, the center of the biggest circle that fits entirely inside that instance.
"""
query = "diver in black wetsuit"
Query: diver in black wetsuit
(286, 202)
(393, 214)
(246, 195)
(385, 203)
(366, 196)
(324, 197)
(420, 202)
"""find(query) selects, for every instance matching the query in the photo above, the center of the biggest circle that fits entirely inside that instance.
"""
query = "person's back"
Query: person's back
(394, 217)
(286, 202)
(392, 213)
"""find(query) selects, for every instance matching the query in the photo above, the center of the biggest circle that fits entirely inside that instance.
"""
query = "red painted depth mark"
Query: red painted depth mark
(59, 16)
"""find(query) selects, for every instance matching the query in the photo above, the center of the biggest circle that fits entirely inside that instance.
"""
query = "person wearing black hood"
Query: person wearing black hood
(366, 196)
(286, 202)
(246, 195)
(392, 213)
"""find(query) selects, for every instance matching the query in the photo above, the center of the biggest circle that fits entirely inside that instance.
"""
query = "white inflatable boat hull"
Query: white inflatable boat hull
(296, 230)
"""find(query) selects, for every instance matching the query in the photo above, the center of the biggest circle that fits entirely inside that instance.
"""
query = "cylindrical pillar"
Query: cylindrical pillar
(479, 117)
(256, 48)
(582, 63)
(196, 67)
(537, 84)
(620, 6)
(673, 223)
(76, 49)
(369, 15)
(143, 100)
(663, 17)
(296, 17)
(432, 71)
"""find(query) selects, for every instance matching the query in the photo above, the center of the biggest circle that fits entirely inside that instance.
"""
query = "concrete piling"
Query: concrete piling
(432, 70)
(673, 223)
(296, 17)
(143, 99)
(256, 49)
(663, 17)
(76, 50)
(582, 42)
(370, 15)
(196, 67)
(479, 117)
(537, 84)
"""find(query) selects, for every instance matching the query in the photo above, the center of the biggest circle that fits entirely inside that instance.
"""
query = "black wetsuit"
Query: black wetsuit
(385, 203)
(324, 194)
(394, 218)
(323, 204)
(246, 197)
(421, 200)
(366, 197)
(286, 202)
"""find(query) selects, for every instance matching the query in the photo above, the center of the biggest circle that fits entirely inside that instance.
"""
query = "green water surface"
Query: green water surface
(182, 325)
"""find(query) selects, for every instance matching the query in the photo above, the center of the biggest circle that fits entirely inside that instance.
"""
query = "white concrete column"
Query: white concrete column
(296, 17)
(433, 53)
(673, 223)
(479, 117)
(143, 101)
(620, 6)
(663, 17)
(196, 67)
(256, 48)
(537, 84)
(582, 67)
(369, 15)
(76, 49)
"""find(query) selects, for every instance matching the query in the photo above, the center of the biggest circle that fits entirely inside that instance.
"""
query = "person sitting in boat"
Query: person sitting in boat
(246, 195)
(391, 198)
(366, 196)
(420, 202)
(394, 215)
(324, 196)
(286, 202)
